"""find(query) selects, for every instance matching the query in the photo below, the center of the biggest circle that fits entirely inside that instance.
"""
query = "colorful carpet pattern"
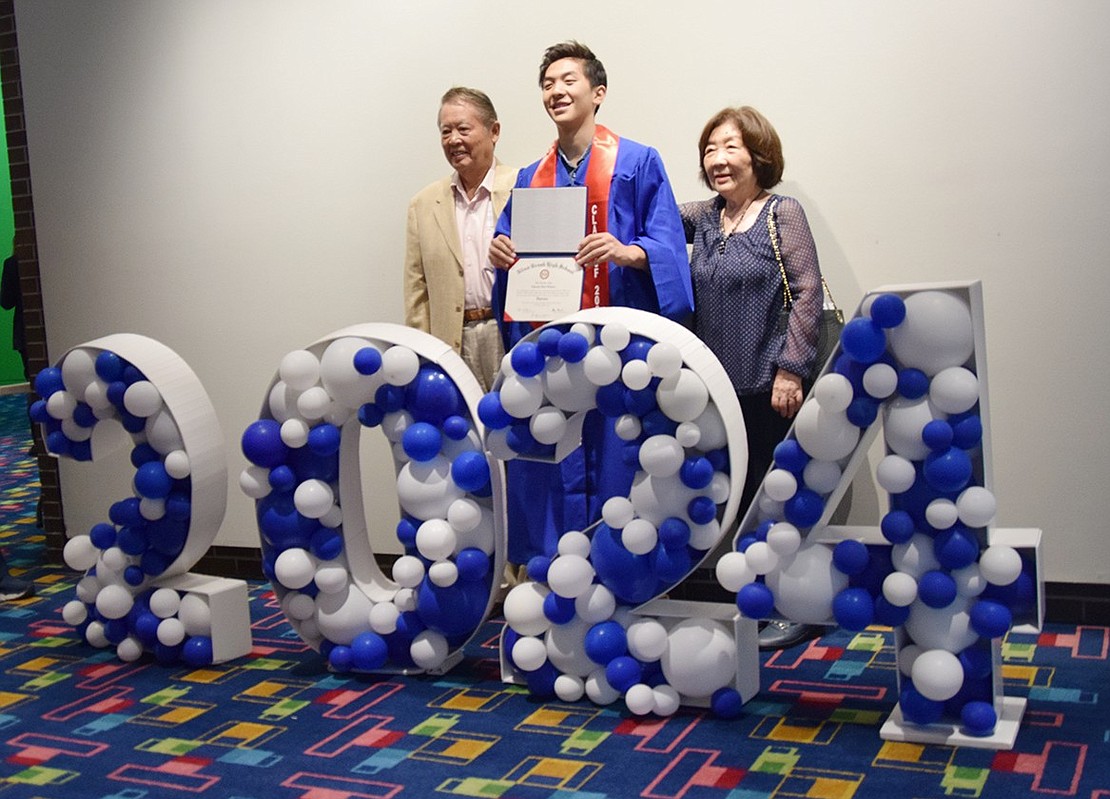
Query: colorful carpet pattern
(77, 722)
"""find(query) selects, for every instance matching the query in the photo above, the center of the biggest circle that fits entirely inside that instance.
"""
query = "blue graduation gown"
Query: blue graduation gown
(546, 500)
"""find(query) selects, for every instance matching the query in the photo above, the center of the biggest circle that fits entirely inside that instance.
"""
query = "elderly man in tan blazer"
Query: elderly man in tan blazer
(448, 277)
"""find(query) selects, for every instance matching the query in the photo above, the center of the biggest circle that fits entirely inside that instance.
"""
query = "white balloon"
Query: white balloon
(383, 617)
(627, 427)
(636, 375)
(585, 330)
(822, 476)
(408, 571)
(142, 399)
(298, 606)
(880, 380)
(429, 649)
(688, 434)
(80, 553)
(900, 589)
(569, 688)
(658, 498)
(114, 602)
(945, 628)
(521, 396)
(95, 634)
(665, 359)
(129, 649)
(567, 386)
(61, 405)
(405, 599)
(683, 397)
(615, 336)
(969, 581)
(780, 485)
(195, 615)
(566, 648)
(435, 539)
(165, 602)
(906, 657)
(661, 456)
(1000, 565)
(548, 425)
(705, 536)
(595, 604)
(915, 557)
(282, 402)
(574, 542)
(79, 371)
(805, 583)
(399, 365)
(761, 558)
(714, 435)
(425, 490)
(976, 506)
(954, 390)
(599, 690)
(529, 653)
(74, 612)
(667, 701)
(903, 421)
(395, 424)
(295, 568)
(937, 674)
(162, 433)
(152, 509)
(733, 571)
(824, 434)
(784, 539)
(639, 699)
(617, 512)
(294, 432)
(343, 615)
(895, 474)
(700, 657)
(602, 366)
(443, 573)
(937, 332)
(833, 392)
(345, 384)
(314, 403)
(523, 608)
(171, 632)
(313, 498)
(177, 464)
(639, 536)
(647, 639)
(464, 515)
(941, 513)
(331, 578)
(570, 575)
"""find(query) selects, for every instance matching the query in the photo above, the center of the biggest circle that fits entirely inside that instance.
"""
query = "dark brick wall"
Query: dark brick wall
(26, 248)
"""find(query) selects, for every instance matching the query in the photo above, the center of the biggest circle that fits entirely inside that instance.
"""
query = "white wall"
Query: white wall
(230, 177)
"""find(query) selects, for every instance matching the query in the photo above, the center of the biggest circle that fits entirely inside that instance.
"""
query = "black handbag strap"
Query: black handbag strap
(787, 294)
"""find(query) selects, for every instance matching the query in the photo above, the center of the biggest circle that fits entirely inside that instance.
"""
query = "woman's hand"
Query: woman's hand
(786, 393)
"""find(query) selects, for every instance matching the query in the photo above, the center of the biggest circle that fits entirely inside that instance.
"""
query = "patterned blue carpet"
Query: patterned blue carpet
(77, 722)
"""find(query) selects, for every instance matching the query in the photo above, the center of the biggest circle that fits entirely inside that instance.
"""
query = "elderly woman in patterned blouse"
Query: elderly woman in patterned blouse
(739, 308)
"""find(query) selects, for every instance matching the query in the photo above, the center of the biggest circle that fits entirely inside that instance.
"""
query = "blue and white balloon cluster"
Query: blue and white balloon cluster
(116, 603)
(443, 582)
(912, 360)
(571, 631)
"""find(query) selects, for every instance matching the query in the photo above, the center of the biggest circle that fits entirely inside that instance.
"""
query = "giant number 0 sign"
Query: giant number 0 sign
(593, 621)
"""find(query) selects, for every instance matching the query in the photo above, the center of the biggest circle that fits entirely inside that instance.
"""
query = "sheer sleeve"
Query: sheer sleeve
(689, 213)
(799, 256)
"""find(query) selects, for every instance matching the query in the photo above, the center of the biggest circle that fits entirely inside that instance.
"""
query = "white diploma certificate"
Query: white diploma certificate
(545, 283)
(542, 288)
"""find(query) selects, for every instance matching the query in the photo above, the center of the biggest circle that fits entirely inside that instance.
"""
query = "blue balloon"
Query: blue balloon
(916, 709)
(131, 540)
(937, 435)
(573, 347)
(133, 576)
(977, 661)
(558, 609)
(492, 413)
(421, 441)
(604, 641)
(282, 478)
(103, 535)
(641, 402)
(83, 415)
(262, 444)
(326, 544)
(548, 341)
(456, 427)
(888, 310)
(862, 411)
(863, 340)
(57, 443)
(473, 564)
(696, 473)
(726, 703)
(521, 440)
(80, 450)
(167, 536)
(637, 349)
(144, 453)
(755, 601)
(631, 578)
(610, 399)
(657, 423)
(851, 557)
(146, 628)
(389, 398)
(948, 471)
(368, 361)
(307, 465)
(109, 366)
(455, 611)
(324, 438)
(132, 423)
(671, 565)
(853, 609)
(990, 619)
(623, 672)
(340, 658)
(432, 396)
(936, 589)
(745, 541)
(897, 526)
(541, 682)
(956, 548)
(913, 383)
(701, 510)
(979, 718)
(368, 651)
(179, 506)
(38, 412)
(197, 651)
(281, 525)
(125, 511)
(790, 456)
(370, 415)
(526, 358)
(890, 615)
(167, 655)
(719, 459)
(406, 532)
(115, 392)
(674, 533)
(48, 381)
(804, 509)
(967, 430)
(537, 568)
(470, 471)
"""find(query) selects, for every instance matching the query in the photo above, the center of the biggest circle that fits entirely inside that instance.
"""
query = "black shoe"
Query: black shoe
(14, 588)
(785, 634)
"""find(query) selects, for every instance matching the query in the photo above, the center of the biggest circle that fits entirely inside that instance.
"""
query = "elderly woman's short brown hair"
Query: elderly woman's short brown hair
(759, 137)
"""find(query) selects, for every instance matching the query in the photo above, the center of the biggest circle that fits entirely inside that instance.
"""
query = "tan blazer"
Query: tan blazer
(433, 257)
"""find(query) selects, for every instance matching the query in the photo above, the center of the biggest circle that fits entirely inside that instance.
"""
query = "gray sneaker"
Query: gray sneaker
(785, 634)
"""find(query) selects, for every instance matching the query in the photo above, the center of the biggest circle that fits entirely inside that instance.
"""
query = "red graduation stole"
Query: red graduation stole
(599, 176)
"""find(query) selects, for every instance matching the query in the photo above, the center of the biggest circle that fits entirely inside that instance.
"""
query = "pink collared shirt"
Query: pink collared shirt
(474, 218)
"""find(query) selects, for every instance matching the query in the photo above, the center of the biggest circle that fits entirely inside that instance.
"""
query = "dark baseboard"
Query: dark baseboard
(1065, 603)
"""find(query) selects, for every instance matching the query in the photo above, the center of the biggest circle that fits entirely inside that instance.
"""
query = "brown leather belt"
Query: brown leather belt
(477, 314)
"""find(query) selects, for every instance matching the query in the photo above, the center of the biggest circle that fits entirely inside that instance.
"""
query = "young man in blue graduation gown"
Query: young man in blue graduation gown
(634, 255)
